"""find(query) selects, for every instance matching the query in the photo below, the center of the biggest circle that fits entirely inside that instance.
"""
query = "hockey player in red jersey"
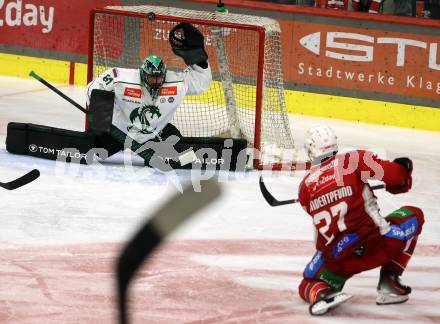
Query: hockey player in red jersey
(352, 235)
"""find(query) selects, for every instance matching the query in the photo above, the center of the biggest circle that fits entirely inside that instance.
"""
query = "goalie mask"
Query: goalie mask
(321, 142)
(153, 72)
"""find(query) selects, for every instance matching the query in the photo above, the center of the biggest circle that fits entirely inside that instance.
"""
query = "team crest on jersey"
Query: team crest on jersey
(144, 115)
(168, 91)
(171, 99)
(132, 92)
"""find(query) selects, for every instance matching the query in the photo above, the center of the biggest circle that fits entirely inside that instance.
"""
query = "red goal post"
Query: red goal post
(246, 97)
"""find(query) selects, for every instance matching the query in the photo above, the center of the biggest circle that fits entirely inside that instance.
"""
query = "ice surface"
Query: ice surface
(239, 260)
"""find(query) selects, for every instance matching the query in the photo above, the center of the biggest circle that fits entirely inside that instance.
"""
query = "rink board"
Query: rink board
(298, 102)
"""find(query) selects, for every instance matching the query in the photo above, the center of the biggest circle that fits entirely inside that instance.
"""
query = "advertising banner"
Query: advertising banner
(58, 25)
(351, 58)
(337, 57)
(324, 55)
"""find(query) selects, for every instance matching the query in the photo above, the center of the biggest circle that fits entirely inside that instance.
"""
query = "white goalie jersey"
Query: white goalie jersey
(135, 112)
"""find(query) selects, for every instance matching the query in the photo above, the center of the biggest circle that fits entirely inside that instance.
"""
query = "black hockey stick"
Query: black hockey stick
(51, 87)
(165, 220)
(271, 200)
(20, 182)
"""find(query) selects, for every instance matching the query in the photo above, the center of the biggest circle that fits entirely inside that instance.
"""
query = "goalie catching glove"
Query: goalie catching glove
(188, 43)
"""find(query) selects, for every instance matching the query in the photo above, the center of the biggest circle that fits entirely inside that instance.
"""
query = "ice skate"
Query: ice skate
(328, 302)
(390, 290)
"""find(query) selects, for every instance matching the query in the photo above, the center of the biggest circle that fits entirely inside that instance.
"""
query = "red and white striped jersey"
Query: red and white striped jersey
(337, 196)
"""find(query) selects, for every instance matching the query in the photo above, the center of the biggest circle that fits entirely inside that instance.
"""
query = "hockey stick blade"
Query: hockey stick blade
(22, 181)
(272, 201)
(164, 221)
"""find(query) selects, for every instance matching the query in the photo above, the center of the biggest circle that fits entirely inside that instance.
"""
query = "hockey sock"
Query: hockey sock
(121, 137)
(312, 290)
(398, 264)
(410, 221)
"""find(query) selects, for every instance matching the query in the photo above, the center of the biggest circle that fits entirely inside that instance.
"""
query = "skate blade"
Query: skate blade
(323, 306)
(390, 299)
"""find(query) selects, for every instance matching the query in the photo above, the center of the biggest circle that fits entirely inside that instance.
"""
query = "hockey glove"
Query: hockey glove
(406, 185)
(188, 43)
(101, 111)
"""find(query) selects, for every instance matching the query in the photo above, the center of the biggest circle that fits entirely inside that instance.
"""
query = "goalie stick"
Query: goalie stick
(271, 200)
(51, 87)
(20, 182)
(159, 225)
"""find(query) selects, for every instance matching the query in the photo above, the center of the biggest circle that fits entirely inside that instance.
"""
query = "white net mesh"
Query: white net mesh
(229, 106)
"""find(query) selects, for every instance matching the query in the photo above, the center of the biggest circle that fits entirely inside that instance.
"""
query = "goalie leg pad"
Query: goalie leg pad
(190, 152)
(227, 154)
(49, 142)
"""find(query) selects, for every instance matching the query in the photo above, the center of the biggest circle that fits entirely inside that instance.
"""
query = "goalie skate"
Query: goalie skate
(325, 304)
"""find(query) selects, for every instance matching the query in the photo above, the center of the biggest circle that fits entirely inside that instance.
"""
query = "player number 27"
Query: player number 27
(324, 219)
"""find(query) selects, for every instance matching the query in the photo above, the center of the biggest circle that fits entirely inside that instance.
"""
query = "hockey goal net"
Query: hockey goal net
(246, 97)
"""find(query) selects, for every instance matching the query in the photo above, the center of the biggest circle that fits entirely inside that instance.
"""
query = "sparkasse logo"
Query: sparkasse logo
(168, 91)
